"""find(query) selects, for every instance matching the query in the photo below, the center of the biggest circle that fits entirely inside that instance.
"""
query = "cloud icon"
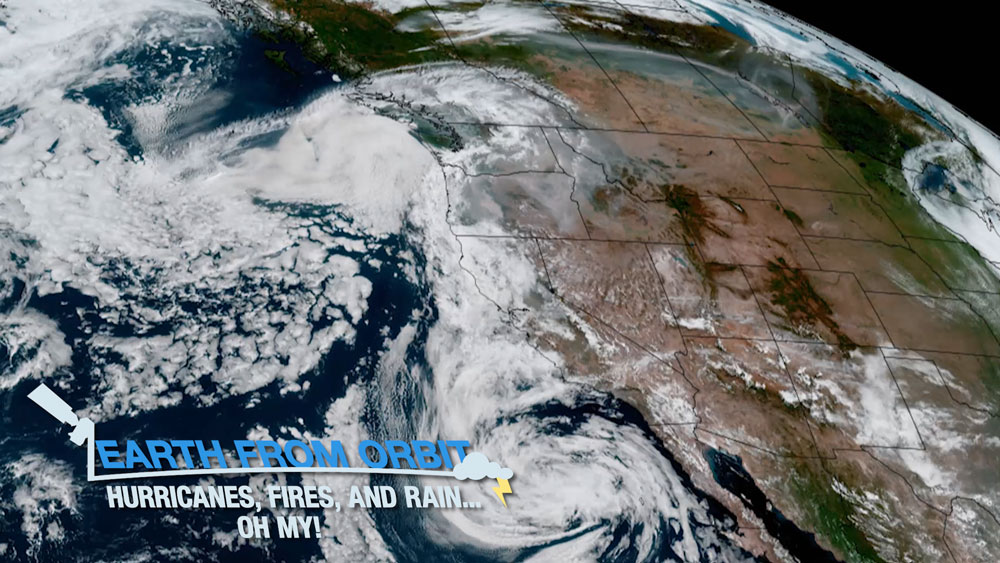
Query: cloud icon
(477, 466)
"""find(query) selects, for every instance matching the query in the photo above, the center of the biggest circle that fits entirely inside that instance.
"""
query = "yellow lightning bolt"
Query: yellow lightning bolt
(504, 487)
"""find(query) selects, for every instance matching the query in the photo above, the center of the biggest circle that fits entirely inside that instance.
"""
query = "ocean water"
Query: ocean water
(242, 84)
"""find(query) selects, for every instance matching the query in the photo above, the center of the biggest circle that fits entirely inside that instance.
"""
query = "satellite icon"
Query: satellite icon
(83, 428)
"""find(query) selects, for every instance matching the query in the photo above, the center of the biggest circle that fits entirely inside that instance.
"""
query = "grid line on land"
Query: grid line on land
(784, 365)
(596, 62)
(536, 236)
(725, 96)
(572, 193)
(487, 70)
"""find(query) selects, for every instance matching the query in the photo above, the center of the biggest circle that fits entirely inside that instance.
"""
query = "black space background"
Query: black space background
(950, 47)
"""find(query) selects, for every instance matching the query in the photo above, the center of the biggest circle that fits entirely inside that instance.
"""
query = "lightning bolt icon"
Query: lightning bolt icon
(502, 488)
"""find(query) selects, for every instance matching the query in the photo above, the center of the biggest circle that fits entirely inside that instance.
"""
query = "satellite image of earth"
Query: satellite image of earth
(716, 285)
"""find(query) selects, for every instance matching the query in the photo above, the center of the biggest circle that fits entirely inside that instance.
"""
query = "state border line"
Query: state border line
(682, 243)
(701, 73)
(562, 24)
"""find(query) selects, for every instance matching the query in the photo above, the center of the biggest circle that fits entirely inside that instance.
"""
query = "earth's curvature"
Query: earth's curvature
(717, 286)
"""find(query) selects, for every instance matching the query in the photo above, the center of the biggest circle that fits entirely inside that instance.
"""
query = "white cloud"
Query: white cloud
(477, 466)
